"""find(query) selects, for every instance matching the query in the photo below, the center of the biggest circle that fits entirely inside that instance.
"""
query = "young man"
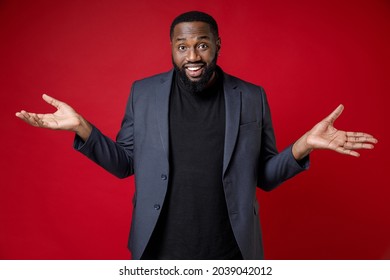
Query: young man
(199, 142)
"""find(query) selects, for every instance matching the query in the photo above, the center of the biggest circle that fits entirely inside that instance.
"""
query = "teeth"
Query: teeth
(193, 68)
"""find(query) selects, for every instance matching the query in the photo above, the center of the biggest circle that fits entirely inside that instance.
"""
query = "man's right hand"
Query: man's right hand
(65, 118)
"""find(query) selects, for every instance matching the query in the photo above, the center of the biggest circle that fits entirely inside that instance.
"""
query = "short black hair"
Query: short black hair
(195, 16)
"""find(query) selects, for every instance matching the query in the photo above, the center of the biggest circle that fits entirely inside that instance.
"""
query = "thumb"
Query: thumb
(335, 114)
(52, 101)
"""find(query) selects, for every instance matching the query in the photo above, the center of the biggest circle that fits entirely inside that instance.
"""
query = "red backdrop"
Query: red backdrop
(308, 55)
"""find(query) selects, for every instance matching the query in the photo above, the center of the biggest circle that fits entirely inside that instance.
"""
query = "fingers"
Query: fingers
(345, 151)
(355, 146)
(357, 137)
(23, 115)
(355, 141)
(31, 118)
(359, 140)
(335, 114)
(40, 120)
(28, 118)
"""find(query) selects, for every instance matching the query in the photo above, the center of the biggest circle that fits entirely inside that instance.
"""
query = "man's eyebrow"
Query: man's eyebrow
(203, 37)
(198, 38)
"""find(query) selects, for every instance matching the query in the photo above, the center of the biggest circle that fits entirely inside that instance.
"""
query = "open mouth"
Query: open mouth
(194, 71)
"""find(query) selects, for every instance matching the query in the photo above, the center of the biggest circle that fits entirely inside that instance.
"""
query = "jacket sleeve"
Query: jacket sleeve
(114, 156)
(275, 167)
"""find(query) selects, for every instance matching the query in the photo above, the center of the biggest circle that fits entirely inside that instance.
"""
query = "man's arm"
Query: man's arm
(325, 136)
(116, 158)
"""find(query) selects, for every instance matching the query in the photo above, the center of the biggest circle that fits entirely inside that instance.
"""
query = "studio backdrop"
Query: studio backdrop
(310, 56)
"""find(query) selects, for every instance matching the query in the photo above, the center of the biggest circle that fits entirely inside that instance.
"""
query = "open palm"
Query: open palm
(325, 136)
(65, 118)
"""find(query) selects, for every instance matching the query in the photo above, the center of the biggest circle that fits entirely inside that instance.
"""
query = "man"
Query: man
(199, 141)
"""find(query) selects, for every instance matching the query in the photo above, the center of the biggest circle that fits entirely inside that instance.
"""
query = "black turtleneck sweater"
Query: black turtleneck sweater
(194, 222)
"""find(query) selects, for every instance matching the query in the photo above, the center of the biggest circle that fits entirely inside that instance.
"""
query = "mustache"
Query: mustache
(194, 64)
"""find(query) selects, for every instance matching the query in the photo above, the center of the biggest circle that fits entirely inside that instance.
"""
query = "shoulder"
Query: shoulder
(250, 92)
(146, 88)
(154, 80)
(242, 85)
(252, 95)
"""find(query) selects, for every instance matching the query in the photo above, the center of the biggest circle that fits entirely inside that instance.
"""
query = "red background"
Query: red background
(308, 55)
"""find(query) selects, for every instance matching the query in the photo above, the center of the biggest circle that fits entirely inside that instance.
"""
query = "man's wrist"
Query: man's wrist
(301, 148)
(84, 129)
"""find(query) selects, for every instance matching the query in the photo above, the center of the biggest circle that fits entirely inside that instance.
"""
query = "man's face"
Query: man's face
(194, 53)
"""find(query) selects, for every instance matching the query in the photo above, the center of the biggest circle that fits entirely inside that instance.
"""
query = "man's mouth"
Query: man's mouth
(194, 71)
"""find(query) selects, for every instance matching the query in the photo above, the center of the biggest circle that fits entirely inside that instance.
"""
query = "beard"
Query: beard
(197, 86)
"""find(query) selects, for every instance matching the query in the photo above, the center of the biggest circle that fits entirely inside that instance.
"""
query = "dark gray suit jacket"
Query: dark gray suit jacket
(142, 148)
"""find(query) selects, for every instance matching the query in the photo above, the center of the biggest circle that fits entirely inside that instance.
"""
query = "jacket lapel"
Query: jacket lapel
(233, 108)
(163, 91)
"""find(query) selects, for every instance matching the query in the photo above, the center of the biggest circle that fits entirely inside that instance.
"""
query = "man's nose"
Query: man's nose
(193, 55)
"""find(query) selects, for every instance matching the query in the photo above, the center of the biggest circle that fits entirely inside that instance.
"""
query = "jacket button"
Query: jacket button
(157, 206)
(164, 177)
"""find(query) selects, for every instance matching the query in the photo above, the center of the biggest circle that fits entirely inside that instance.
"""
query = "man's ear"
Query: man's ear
(218, 43)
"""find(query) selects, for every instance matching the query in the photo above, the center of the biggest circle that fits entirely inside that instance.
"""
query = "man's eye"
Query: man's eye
(182, 48)
(202, 46)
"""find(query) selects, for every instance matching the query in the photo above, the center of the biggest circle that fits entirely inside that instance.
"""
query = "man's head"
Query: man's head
(195, 44)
